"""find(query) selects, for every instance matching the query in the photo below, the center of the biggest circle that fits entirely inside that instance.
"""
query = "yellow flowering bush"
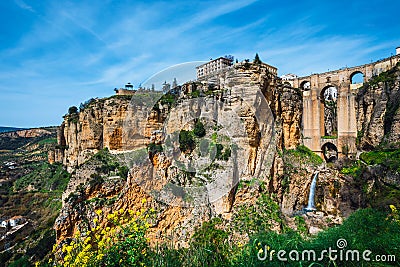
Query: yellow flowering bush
(395, 214)
(120, 241)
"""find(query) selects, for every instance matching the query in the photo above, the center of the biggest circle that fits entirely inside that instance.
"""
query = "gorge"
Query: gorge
(239, 151)
(271, 117)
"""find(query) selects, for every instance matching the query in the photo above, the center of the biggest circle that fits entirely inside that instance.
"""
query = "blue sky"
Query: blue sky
(55, 54)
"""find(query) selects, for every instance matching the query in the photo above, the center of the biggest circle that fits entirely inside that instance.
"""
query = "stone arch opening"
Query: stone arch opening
(305, 85)
(356, 79)
(330, 152)
(328, 99)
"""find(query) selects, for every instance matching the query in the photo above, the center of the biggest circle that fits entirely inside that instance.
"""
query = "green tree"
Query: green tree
(186, 141)
(72, 110)
(257, 59)
(199, 129)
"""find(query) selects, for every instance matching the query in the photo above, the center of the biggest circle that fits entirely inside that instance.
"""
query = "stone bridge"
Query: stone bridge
(313, 88)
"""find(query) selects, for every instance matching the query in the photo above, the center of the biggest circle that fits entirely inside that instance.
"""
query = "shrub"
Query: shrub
(108, 163)
(168, 99)
(154, 148)
(218, 154)
(387, 158)
(86, 104)
(96, 179)
(303, 154)
(354, 170)
(208, 246)
(123, 172)
(227, 154)
(257, 218)
(72, 110)
(121, 243)
(21, 262)
(199, 129)
(195, 94)
(186, 141)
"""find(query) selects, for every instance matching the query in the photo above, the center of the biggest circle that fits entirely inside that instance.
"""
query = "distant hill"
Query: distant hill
(9, 129)
(13, 139)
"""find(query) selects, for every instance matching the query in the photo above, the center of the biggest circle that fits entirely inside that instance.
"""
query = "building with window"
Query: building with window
(214, 66)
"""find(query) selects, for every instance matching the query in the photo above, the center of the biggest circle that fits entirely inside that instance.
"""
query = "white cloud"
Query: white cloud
(24, 5)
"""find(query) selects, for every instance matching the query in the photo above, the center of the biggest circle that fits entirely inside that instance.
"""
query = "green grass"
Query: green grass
(47, 141)
(329, 137)
(263, 215)
(108, 164)
(354, 170)
(44, 177)
(211, 245)
(303, 153)
(387, 158)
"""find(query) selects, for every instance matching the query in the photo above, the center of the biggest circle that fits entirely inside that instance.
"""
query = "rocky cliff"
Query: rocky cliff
(378, 113)
(206, 149)
(103, 123)
(246, 114)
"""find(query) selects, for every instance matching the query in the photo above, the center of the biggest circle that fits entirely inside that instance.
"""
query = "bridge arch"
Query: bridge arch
(328, 100)
(357, 77)
(330, 152)
(329, 92)
(305, 85)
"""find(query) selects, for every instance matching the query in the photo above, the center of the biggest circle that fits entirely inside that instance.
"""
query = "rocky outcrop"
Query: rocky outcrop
(252, 125)
(290, 113)
(245, 106)
(234, 108)
(114, 123)
(378, 114)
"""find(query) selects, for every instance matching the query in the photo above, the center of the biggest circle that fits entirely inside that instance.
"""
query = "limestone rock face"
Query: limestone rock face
(103, 123)
(249, 107)
(378, 115)
(291, 114)
(235, 109)
(29, 133)
(394, 134)
(245, 106)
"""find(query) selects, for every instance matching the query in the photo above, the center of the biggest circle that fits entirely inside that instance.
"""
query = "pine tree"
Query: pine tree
(257, 59)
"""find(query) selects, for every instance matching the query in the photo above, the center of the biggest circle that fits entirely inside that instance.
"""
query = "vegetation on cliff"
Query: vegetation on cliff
(122, 242)
(45, 177)
(376, 173)
(378, 102)
(254, 216)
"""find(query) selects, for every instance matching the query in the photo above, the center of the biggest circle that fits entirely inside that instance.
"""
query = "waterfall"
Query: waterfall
(311, 205)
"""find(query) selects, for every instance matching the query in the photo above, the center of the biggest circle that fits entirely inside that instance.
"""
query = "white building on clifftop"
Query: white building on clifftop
(214, 66)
